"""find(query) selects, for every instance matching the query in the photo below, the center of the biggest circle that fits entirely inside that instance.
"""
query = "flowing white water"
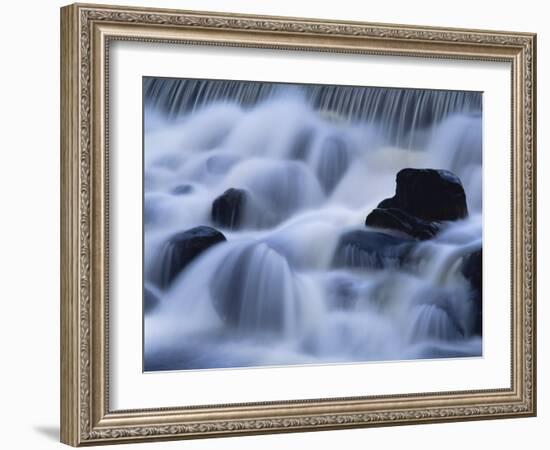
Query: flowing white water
(270, 294)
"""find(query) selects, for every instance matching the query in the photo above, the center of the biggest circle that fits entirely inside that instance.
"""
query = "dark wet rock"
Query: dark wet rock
(369, 249)
(429, 194)
(228, 208)
(184, 247)
(150, 300)
(333, 162)
(472, 269)
(342, 293)
(182, 189)
(397, 219)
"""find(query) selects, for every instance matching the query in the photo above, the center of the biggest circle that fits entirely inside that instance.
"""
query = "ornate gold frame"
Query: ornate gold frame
(86, 31)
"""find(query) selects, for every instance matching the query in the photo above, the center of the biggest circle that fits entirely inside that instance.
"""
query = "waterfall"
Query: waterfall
(286, 174)
(398, 111)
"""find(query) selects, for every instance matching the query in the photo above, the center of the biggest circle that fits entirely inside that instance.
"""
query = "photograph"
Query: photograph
(287, 223)
(309, 224)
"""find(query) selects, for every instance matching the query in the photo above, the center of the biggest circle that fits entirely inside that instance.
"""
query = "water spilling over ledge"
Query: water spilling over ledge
(258, 247)
(398, 110)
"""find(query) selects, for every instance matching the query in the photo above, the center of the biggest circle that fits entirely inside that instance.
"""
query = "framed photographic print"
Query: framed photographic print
(276, 224)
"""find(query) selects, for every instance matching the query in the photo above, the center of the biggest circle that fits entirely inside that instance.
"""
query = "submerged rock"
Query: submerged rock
(397, 219)
(333, 162)
(429, 194)
(184, 247)
(280, 189)
(472, 270)
(369, 249)
(182, 189)
(221, 163)
(228, 208)
(150, 300)
(254, 290)
(423, 199)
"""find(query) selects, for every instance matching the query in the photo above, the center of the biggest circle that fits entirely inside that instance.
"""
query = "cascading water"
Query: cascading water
(301, 167)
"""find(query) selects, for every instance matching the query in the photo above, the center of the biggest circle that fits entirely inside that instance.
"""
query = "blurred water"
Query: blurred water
(314, 163)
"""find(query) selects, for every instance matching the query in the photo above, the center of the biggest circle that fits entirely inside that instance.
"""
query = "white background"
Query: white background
(29, 241)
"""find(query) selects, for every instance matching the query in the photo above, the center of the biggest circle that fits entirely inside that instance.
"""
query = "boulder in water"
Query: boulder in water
(472, 270)
(429, 194)
(373, 250)
(333, 162)
(184, 247)
(228, 208)
(397, 219)
(254, 290)
(431, 321)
